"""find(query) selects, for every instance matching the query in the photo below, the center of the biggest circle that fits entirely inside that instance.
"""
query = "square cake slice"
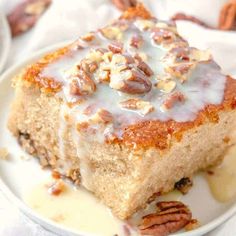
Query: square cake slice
(126, 111)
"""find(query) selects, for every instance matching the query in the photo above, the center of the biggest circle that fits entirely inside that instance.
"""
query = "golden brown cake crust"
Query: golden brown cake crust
(148, 133)
(145, 134)
(157, 133)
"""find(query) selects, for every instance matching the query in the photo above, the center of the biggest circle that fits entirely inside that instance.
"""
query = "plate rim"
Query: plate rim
(6, 41)
(34, 216)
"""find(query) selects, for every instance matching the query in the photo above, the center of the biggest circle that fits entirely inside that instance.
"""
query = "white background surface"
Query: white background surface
(67, 19)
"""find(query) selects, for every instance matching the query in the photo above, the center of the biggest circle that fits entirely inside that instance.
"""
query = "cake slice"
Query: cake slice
(126, 111)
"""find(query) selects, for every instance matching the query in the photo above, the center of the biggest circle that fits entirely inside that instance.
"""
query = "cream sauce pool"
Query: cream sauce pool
(77, 210)
(222, 179)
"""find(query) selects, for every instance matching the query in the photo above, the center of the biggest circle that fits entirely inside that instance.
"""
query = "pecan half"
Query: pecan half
(227, 19)
(25, 15)
(82, 84)
(130, 81)
(170, 217)
(124, 4)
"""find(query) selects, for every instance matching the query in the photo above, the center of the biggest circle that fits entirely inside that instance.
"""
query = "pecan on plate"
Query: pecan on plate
(25, 15)
(170, 217)
(227, 19)
(124, 4)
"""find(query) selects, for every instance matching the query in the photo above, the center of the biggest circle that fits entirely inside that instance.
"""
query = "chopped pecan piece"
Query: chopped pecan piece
(137, 104)
(56, 175)
(172, 100)
(143, 56)
(227, 19)
(89, 110)
(170, 217)
(101, 116)
(124, 4)
(200, 55)
(130, 81)
(144, 25)
(88, 37)
(119, 59)
(102, 50)
(26, 14)
(116, 47)
(107, 57)
(82, 84)
(102, 76)
(82, 126)
(160, 35)
(136, 41)
(57, 188)
(181, 53)
(184, 185)
(171, 26)
(111, 32)
(166, 86)
(95, 55)
(180, 70)
(88, 65)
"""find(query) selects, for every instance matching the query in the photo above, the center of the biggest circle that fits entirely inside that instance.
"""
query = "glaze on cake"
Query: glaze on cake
(132, 101)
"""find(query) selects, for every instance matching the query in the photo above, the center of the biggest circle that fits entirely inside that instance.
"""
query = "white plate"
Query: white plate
(5, 40)
(17, 175)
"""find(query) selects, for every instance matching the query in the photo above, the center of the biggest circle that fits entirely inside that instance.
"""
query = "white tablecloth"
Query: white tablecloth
(66, 19)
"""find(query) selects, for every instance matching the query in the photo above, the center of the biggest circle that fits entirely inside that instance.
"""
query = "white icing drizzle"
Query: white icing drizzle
(204, 85)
